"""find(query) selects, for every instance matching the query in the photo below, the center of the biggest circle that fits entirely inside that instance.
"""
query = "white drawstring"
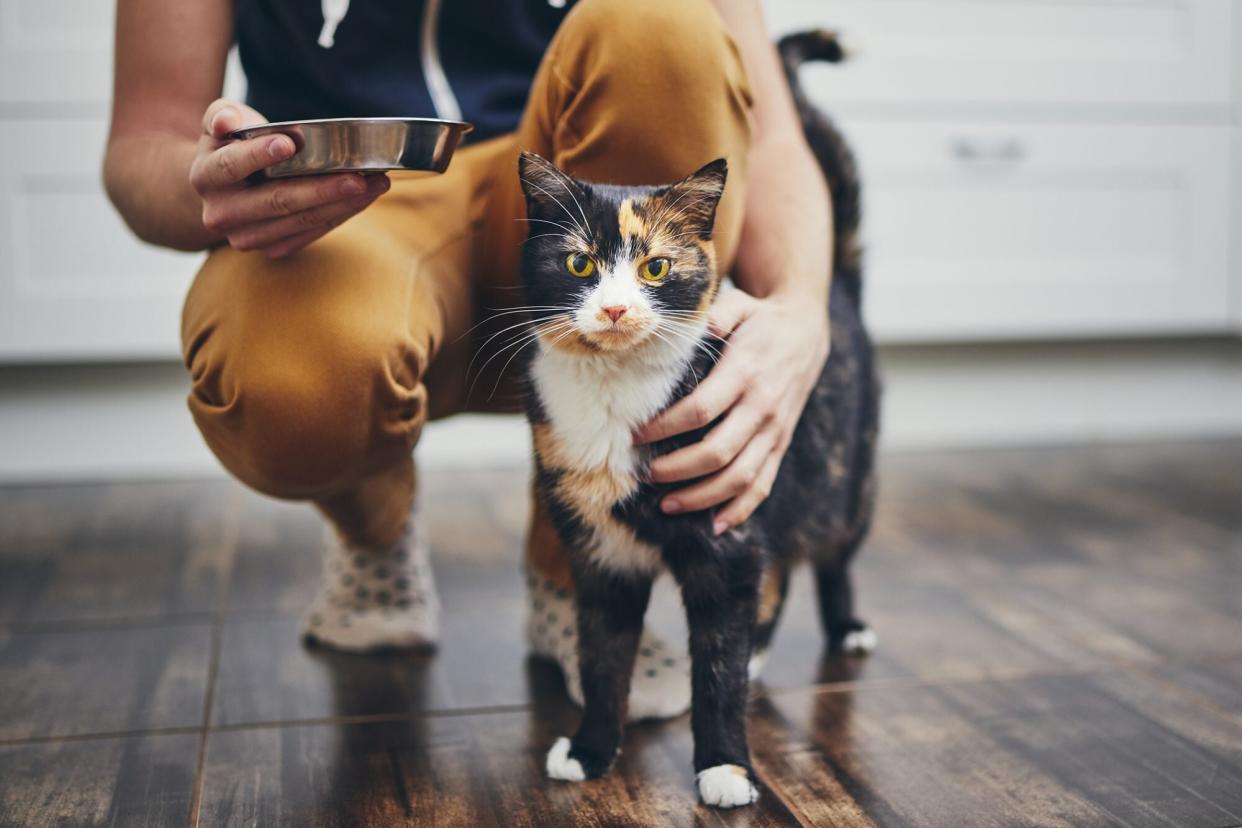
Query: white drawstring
(334, 12)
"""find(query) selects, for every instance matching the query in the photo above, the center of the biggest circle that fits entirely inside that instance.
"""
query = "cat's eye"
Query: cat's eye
(655, 269)
(579, 264)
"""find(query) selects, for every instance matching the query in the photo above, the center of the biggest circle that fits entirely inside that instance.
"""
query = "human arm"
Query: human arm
(777, 324)
(170, 169)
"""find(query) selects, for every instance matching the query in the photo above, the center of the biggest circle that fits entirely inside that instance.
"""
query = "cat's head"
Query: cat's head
(609, 269)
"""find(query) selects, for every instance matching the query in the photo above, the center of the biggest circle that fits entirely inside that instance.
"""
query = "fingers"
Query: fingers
(282, 198)
(270, 236)
(715, 451)
(730, 310)
(744, 505)
(736, 479)
(715, 395)
(224, 116)
(233, 163)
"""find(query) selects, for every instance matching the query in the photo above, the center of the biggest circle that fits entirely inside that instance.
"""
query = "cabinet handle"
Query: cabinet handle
(970, 151)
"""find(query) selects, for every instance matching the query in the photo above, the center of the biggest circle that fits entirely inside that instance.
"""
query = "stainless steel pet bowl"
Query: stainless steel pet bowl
(333, 145)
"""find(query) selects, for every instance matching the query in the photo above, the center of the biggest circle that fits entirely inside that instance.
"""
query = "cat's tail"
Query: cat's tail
(832, 151)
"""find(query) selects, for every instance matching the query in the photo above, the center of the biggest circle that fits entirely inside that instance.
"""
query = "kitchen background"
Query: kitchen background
(1053, 192)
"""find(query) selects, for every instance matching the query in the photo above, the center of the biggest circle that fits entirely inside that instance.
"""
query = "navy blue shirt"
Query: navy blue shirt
(479, 68)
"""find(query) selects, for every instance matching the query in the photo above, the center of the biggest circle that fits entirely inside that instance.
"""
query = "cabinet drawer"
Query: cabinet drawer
(1173, 52)
(1025, 230)
(74, 282)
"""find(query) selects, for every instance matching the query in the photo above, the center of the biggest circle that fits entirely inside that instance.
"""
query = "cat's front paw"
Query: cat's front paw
(576, 764)
(726, 786)
(559, 764)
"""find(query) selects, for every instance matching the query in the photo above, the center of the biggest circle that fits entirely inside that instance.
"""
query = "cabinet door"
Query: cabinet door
(56, 51)
(982, 230)
(74, 282)
(1173, 52)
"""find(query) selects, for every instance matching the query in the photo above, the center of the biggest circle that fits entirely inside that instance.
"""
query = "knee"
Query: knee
(306, 421)
(654, 46)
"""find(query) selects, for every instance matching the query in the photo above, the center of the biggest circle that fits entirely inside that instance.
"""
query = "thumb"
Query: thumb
(225, 116)
(731, 308)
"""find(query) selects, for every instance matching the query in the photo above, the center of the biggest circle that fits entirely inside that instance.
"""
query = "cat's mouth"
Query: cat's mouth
(610, 338)
(619, 335)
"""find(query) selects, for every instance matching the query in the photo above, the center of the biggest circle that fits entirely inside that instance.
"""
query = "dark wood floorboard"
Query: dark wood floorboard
(74, 682)
(1061, 645)
(143, 781)
(111, 551)
(478, 770)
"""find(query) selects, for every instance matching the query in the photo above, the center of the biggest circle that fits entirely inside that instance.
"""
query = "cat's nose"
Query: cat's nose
(615, 312)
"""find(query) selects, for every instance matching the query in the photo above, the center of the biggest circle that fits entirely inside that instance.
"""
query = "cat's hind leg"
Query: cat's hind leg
(610, 609)
(773, 587)
(846, 633)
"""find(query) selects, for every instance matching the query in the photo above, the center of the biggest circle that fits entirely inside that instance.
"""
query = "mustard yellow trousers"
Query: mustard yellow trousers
(313, 374)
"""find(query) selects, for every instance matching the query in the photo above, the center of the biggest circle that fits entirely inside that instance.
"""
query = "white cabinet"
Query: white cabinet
(74, 283)
(984, 230)
(1172, 52)
(1039, 168)
(1034, 168)
(55, 51)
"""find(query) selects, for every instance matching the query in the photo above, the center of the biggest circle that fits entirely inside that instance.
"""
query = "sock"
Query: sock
(660, 686)
(375, 597)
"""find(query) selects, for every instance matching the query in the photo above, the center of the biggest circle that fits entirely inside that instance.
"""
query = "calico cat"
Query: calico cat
(620, 280)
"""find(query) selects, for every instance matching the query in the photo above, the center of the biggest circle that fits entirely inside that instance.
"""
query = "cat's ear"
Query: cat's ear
(693, 200)
(548, 189)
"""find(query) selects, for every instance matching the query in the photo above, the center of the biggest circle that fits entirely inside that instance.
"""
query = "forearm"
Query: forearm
(147, 176)
(786, 245)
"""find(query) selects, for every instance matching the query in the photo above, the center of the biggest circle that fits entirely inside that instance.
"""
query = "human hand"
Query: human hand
(276, 217)
(775, 352)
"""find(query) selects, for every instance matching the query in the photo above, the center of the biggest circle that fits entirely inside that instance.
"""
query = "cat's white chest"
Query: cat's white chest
(594, 405)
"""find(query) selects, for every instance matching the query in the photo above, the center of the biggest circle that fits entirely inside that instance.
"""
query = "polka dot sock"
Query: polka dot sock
(660, 687)
(376, 597)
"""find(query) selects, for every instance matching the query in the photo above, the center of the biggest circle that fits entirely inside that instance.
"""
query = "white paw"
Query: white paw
(755, 666)
(726, 786)
(560, 766)
(860, 642)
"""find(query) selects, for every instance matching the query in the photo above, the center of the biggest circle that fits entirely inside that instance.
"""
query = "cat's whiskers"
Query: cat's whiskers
(696, 340)
(581, 212)
(520, 342)
(574, 233)
(496, 313)
(582, 228)
(569, 239)
(525, 323)
(566, 330)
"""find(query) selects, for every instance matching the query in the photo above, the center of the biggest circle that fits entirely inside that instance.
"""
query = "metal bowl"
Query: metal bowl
(333, 145)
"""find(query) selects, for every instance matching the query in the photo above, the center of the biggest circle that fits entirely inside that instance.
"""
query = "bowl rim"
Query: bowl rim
(254, 128)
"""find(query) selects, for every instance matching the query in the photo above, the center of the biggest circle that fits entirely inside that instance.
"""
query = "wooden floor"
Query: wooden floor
(1061, 644)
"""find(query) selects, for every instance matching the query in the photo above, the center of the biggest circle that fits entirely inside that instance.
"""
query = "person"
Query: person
(335, 315)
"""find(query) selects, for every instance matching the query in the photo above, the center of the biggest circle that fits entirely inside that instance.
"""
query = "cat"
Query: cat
(618, 281)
